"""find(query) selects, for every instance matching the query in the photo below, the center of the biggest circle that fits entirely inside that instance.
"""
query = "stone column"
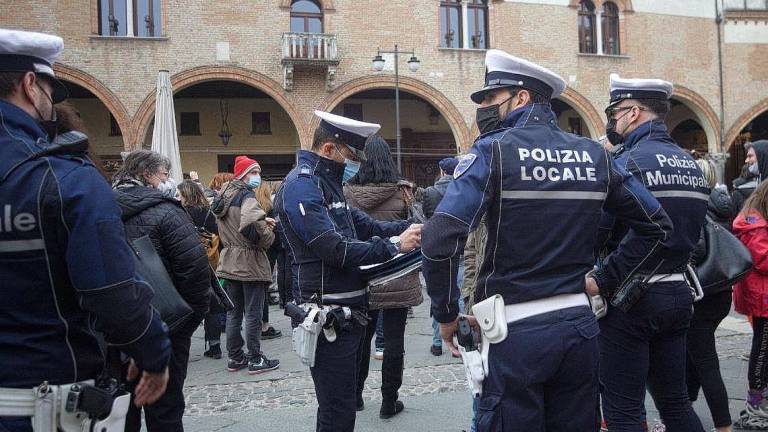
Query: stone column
(720, 159)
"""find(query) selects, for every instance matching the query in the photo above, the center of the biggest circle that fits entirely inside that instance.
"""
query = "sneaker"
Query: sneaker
(436, 350)
(234, 365)
(378, 354)
(262, 365)
(213, 352)
(271, 333)
(748, 421)
(659, 427)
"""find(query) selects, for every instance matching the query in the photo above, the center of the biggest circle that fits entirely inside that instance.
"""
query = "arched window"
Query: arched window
(306, 17)
(610, 26)
(477, 25)
(450, 24)
(587, 39)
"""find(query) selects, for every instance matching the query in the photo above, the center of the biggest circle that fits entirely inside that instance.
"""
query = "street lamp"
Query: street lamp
(413, 65)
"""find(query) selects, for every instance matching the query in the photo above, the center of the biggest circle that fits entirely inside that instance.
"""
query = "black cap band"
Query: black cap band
(20, 63)
(499, 78)
(617, 95)
(349, 138)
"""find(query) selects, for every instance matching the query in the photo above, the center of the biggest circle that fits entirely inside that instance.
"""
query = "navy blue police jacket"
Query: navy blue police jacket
(544, 191)
(66, 269)
(327, 239)
(674, 178)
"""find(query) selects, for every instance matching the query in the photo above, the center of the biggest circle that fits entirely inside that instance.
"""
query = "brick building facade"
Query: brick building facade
(714, 51)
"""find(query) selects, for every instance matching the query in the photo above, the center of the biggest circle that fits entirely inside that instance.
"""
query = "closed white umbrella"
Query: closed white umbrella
(164, 138)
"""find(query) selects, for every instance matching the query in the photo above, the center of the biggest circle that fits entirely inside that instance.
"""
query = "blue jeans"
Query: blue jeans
(647, 347)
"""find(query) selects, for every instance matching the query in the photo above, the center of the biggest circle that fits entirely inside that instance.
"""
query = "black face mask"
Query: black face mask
(488, 118)
(610, 131)
(51, 127)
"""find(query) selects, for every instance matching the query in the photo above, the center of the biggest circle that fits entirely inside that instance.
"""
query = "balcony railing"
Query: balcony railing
(310, 47)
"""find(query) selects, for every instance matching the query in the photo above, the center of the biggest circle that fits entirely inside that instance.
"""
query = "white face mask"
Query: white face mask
(167, 187)
(754, 169)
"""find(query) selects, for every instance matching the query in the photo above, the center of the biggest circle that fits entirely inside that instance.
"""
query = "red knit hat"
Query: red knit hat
(244, 165)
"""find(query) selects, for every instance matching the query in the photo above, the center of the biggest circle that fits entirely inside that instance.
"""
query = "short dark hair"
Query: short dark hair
(9, 81)
(322, 136)
(378, 166)
(660, 107)
(536, 98)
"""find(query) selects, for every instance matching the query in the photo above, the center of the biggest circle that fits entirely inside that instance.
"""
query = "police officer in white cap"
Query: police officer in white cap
(541, 191)
(328, 242)
(64, 260)
(642, 341)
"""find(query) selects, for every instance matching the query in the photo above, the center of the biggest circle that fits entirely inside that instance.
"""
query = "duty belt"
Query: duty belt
(519, 311)
(667, 277)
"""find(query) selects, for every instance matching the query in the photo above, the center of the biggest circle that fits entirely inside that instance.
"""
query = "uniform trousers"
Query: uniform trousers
(647, 347)
(543, 376)
(335, 377)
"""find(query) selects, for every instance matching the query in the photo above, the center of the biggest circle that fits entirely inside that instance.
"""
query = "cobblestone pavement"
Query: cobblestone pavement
(210, 391)
(296, 390)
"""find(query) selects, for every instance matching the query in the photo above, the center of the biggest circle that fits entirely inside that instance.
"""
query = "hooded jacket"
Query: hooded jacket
(744, 190)
(147, 211)
(245, 235)
(750, 295)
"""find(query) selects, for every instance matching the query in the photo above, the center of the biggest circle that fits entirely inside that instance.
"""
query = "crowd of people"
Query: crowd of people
(513, 235)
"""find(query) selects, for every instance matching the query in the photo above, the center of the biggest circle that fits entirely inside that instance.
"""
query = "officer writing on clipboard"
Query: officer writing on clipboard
(328, 242)
(64, 260)
(528, 177)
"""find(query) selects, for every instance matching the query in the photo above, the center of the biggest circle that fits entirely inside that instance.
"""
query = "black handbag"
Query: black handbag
(149, 267)
(726, 262)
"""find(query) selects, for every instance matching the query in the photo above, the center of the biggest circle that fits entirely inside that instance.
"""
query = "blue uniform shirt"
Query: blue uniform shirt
(65, 268)
(674, 178)
(327, 240)
(543, 191)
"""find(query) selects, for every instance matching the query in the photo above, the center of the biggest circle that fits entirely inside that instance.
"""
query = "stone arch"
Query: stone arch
(189, 77)
(326, 5)
(102, 92)
(584, 108)
(742, 122)
(441, 102)
(707, 117)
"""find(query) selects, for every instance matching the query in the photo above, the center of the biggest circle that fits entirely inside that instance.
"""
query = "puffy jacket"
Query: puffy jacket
(146, 211)
(434, 194)
(750, 295)
(386, 202)
(245, 235)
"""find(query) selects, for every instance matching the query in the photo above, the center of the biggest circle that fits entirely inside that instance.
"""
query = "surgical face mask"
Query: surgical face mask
(51, 125)
(754, 169)
(615, 137)
(350, 170)
(254, 181)
(168, 188)
(488, 118)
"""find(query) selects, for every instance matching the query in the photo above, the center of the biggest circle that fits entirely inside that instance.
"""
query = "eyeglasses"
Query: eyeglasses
(610, 112)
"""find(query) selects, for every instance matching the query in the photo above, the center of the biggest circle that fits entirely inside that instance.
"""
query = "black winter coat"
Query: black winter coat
(146, 211)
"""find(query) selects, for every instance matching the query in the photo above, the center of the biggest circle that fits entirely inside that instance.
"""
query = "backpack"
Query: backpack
(210, 242)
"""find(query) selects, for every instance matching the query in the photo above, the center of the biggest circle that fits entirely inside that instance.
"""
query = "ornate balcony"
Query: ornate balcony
(310, 50)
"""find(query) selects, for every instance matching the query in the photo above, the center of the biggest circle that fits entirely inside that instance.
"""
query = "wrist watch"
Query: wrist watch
(395, 240)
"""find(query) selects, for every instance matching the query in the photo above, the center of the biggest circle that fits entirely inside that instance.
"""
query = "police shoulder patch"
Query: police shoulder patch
(466, 161)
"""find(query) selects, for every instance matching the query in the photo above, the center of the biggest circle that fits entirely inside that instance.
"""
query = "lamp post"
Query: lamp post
(413, 65)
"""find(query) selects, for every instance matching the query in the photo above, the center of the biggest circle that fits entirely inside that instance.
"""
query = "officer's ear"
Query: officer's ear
(326, 150)
(28, 88)
(524, 97)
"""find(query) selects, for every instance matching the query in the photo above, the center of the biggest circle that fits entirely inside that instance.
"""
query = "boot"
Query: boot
(391, 380)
